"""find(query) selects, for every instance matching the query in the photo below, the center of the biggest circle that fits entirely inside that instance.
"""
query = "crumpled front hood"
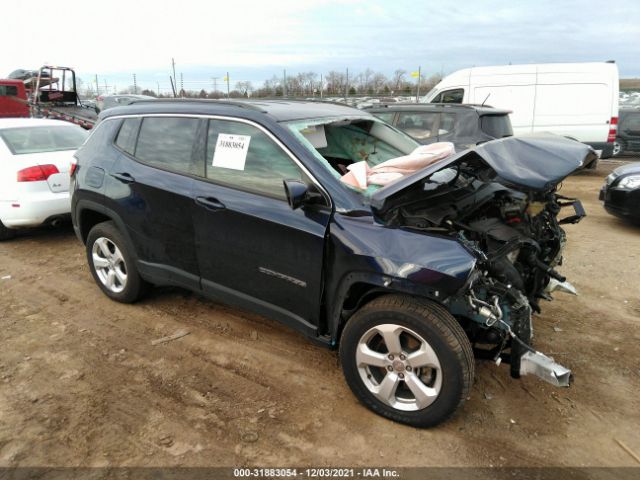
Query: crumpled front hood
(527, 162)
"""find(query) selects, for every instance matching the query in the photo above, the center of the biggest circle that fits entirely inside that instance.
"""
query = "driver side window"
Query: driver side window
(244, 157)
(450, 96)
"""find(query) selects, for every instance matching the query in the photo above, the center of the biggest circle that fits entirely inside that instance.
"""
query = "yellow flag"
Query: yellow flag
(415, 74)
(225, 79)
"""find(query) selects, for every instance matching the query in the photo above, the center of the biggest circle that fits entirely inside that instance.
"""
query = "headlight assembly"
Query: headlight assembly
(630, 182)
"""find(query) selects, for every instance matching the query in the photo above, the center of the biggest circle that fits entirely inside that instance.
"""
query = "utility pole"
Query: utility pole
(346, 88)
(181, 85)
(321, 85)
(135, 84)
(97, 86)
(158, 91)
(227, 77)
(419, 79)
(284, 83)
(173, 65)
(215, 85)
(106, 90)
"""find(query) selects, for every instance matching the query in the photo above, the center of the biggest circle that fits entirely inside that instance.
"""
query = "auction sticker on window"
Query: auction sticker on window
(231, 151)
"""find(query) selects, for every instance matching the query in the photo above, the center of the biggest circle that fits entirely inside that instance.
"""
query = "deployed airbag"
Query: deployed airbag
(360, 175)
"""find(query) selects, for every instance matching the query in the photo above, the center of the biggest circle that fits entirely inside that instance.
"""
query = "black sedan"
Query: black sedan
(621, 192)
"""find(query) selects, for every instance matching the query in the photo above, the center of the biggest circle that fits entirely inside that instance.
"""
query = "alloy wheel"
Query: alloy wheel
(616, 148)
(109, 264)
(399, 367)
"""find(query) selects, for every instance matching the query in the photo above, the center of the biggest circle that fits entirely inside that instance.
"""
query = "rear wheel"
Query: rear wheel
(407, 359)
(112, 264)
(619, 146)
(6, 233)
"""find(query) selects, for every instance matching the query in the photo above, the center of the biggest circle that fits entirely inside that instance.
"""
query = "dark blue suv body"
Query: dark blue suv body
(242, 202)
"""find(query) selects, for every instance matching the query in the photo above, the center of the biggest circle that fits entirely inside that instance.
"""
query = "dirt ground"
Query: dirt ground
(82, 385)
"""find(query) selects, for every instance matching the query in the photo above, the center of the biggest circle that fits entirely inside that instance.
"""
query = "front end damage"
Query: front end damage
(501, 202)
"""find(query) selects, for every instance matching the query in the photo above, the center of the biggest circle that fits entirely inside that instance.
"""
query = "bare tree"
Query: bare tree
(398, 79)
(336, 82)
(245, 88)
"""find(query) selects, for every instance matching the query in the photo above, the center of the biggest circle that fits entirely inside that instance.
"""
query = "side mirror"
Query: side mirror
(296, 192)
(299, 193)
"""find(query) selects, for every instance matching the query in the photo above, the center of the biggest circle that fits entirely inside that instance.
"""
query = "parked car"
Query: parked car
(628, 139)
(621, 192)
(104, 102)
(242, 202)
(88, 103)
(575, 100)
(35, 155)
(463, 125)
(22, 74)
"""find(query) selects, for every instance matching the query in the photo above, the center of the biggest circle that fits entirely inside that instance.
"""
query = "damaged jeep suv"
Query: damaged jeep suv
(245, 202)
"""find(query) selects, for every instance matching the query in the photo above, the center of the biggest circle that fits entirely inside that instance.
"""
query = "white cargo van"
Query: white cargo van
(577, 100)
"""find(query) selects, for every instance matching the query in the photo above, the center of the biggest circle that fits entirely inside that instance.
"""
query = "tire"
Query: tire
(6, 233)
(619, 146)
(427, 334)
(112, 265)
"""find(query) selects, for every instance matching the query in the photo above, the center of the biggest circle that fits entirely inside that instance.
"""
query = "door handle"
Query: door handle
(123, 177)
(210, 203)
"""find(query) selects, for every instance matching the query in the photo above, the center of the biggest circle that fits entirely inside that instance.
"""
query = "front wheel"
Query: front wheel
(407, 359)
(112, 264)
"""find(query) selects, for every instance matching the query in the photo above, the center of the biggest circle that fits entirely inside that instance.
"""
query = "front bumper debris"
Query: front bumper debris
(545, 368)
(558, 286)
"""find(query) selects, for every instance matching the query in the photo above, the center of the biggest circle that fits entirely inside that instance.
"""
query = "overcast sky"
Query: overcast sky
(255, 39)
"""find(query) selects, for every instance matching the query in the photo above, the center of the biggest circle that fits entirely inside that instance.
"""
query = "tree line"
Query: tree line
(312, 84)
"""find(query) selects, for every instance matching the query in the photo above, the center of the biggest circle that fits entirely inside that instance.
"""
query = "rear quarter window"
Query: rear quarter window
(497, 126)
(128, 135)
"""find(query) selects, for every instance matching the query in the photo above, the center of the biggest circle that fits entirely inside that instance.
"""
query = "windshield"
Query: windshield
(43, 139)
(340, 142)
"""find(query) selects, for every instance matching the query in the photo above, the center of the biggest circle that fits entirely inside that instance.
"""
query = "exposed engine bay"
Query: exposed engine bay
(513, 229)
(501, 201)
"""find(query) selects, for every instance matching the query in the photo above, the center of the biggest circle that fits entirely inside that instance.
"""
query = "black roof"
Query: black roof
(400, 107)
(279, 110)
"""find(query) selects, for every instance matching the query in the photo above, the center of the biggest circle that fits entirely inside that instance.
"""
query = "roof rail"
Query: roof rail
(234, 103)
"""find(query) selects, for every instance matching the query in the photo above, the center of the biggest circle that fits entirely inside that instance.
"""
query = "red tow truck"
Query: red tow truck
(52, 93)
(13, 99)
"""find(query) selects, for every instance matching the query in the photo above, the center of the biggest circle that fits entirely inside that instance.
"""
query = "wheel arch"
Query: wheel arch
(358, 289)
(89, 214)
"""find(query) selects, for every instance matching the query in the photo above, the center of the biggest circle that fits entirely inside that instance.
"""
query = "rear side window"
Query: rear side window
(43, 139)
(168, 143)
(244, 157)
(418, 125)
(8, 91)
(450, 96)
(128, 135)
(447, 123)
(385, 116)
(632, 122)
(497, 126)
